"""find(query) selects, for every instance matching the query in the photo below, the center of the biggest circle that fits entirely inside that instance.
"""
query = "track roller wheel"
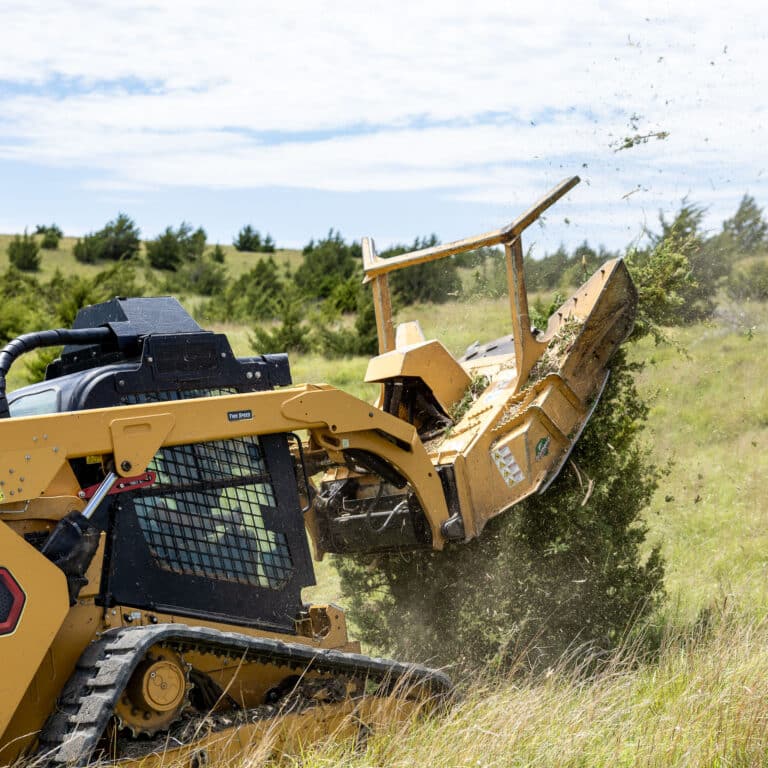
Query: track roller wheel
(156, 694)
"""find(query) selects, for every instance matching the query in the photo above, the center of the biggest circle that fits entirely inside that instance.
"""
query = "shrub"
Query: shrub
(253, 296)
(435, 282)
(750, 283)
(361, 339)
(563, 568)
(50, 236)
(202, 275)
(248, 239)
(23, 305)
(291, 335)
(50, 241)
(268, 246)
(17, 316)
(164, 252)
(746, 230)
(24, 253)
(88, 249)
(37, 363)
(664, 282)
(173, 248)
(217, 254)
(490, 276)
(705, 259)
(326, 264)
(118, 240)
(66, 294)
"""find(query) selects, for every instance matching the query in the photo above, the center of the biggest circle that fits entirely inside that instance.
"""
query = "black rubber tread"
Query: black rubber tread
(88, 700)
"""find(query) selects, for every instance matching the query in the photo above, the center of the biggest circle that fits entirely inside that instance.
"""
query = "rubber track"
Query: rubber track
(88, 700)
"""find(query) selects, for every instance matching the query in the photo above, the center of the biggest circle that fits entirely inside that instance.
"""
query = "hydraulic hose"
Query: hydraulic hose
(54, 338)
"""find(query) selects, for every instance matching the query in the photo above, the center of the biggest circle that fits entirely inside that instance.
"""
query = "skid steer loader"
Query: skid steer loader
(156, 492)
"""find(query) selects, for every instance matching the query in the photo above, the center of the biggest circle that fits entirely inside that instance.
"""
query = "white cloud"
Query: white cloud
(483, 101)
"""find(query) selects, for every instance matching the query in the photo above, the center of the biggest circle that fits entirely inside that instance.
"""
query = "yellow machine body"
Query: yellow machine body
(425, 474)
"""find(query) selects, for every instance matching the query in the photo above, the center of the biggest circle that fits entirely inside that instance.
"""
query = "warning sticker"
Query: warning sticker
(509, 468)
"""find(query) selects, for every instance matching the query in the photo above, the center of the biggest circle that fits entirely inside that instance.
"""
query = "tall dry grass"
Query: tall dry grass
(701, 701)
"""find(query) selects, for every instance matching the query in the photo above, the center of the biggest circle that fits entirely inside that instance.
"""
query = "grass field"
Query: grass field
(710, 418)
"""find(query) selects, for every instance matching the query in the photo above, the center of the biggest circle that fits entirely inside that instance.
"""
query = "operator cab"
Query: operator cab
(219, 532)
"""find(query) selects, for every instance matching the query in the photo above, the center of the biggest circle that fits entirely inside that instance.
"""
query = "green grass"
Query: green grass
(709, 418)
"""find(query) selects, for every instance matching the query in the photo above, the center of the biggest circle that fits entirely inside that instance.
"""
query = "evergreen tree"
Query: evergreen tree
(120, 239)
(252, 296)
(436, 281)
(746, 229)
(291, 335)
(750, 283)
(175, 247)
(88, 249)
(217, 254)
(327, 263)
(50, 236)
(24, 253)
(248, 239)
(268, 246)
(707, 264)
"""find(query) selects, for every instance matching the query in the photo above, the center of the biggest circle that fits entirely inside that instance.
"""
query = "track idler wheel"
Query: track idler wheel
(156, 694)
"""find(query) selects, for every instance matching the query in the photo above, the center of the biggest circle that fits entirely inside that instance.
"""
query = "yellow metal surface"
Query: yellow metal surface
(528, 350)
(327, 625)
(249, 682)
(374, 265)
(428, 360)
(334, 418)
(155, 694)
(49, 508)
(408, 333)
(136, 441)
(517, 434)
(45, 608)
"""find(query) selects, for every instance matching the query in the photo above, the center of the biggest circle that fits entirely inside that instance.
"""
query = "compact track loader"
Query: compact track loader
(156, 492)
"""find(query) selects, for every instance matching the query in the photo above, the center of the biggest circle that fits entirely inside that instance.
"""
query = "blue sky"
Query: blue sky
(393, 121)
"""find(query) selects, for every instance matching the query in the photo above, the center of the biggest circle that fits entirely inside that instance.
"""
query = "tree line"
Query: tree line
(321, 304)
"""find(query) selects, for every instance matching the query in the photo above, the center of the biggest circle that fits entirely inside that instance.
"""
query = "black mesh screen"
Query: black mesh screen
(207, 513)
(6, 602)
